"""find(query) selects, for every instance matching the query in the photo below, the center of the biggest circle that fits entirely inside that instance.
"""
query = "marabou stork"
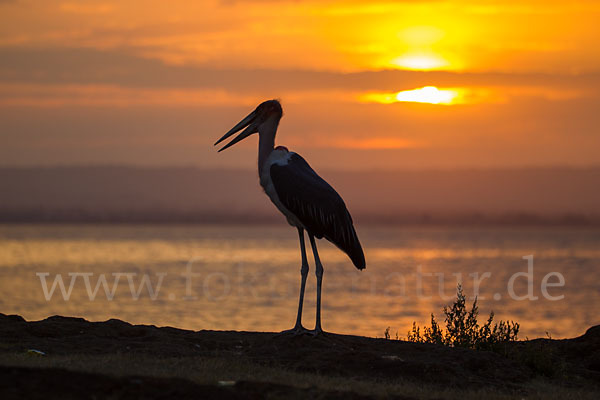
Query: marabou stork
(307, 201)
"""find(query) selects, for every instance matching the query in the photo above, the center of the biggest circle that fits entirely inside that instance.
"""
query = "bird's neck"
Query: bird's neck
(266, 142)
(265, 147)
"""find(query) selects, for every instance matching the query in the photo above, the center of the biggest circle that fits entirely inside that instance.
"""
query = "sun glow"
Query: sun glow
(427, 94)
(377, 143)
(420, 62)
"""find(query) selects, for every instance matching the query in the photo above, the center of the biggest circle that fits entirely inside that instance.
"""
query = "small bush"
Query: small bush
(462, 328)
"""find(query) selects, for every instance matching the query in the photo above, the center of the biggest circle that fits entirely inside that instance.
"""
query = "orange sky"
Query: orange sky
(515, 83)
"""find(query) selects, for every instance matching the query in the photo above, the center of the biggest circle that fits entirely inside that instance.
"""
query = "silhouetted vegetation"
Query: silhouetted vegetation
(542, 357)
(463, 329)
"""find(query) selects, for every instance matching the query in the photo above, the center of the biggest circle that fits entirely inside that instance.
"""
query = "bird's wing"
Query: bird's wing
(317, 205)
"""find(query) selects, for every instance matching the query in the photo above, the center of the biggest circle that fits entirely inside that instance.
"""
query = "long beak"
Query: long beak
(248, 121)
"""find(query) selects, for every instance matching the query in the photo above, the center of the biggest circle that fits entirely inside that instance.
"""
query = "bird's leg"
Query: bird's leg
(304, 274)
(319, 272)
(298, 328)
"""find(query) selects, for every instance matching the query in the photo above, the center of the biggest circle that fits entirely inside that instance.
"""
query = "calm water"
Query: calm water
(247, 278)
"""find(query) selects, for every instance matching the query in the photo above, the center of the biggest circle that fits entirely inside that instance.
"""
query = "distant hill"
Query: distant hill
(131, 194)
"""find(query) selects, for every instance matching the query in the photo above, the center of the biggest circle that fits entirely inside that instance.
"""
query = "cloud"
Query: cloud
(111, 106)
(89, 66)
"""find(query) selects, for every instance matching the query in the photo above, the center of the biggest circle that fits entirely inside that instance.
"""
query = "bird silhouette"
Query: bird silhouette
(308, 202)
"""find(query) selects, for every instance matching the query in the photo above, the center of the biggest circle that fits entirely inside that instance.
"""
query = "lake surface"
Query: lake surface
(247, 277)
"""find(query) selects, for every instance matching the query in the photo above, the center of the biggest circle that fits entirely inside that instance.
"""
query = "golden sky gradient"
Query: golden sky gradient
(364, 84)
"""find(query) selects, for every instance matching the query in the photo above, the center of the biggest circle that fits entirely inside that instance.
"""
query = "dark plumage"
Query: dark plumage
(317, 205)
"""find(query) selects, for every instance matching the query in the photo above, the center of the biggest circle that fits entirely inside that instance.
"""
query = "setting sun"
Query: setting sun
(427, 94)
(420, 62)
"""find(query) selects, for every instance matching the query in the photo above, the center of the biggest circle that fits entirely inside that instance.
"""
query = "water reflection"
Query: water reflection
(246, 278)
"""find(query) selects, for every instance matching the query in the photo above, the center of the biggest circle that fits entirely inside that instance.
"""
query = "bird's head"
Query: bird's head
(267, 113)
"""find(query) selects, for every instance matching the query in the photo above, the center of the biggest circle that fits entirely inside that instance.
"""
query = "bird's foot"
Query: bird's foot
(317, 332)
(295, 331)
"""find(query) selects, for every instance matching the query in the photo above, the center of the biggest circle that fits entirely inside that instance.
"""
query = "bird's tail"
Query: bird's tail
(357, 256)
(354, 250)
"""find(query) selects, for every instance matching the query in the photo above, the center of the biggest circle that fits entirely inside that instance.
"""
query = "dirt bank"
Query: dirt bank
(120, 360)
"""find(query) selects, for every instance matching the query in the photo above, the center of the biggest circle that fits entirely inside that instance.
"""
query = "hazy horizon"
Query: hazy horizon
(193, 194)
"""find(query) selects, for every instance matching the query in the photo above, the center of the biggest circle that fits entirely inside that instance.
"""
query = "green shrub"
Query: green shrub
(462, 328)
